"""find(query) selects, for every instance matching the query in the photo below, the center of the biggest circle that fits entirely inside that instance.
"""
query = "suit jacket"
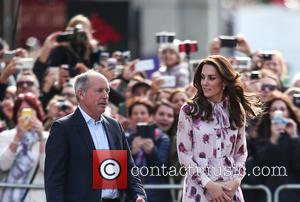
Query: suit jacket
(68, 164)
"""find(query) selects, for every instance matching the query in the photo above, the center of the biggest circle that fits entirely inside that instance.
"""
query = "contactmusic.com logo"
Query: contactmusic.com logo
(110, 169)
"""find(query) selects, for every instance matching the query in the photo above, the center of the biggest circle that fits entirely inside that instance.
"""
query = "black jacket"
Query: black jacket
(68, 164)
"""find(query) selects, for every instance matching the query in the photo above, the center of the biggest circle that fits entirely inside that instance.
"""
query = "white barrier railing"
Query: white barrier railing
(167, 186)
(282, 187)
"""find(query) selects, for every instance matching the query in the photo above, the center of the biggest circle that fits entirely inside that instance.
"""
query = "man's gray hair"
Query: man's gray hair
(82, 81)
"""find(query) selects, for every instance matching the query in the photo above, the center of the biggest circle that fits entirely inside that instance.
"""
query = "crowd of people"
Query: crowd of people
(34, 96)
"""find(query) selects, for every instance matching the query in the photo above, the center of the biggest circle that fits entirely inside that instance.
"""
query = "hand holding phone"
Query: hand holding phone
(26, 115)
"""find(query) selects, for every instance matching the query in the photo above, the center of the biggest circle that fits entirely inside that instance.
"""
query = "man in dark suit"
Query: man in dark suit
(68, 164)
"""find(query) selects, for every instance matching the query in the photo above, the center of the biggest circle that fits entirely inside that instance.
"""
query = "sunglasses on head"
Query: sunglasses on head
(27, 83)
(269, 87)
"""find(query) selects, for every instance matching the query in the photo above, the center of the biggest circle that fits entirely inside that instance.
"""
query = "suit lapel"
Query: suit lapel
(83, 130)
(110, 134)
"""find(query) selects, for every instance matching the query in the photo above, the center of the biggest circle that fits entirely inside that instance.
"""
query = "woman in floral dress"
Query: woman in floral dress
(211, 139)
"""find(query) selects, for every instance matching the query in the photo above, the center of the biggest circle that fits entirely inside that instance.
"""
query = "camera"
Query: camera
(254, 75)
(8, 55)
(266, 55)
(112, 63)
(241, 64)
(228, 41)
(188, 46)
(25, 63)
(126, 55)
(145, 130)
(165, 37)
(296, 100)
(62, 105)
(74, 35)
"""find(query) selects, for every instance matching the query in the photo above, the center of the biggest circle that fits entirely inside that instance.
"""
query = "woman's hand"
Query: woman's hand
(136, 145)
(276, 130)
(37, 126)
(243, 45)
(233, 186)
(217, 191)
(291, 128)
(10, 69)
(148, 145)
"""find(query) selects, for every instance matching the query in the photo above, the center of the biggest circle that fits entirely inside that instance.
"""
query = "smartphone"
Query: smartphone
(144, 65)
(278, 118)
(27, 113)
(25, 63)
(145, 130)
(169, 81)
(228, 41)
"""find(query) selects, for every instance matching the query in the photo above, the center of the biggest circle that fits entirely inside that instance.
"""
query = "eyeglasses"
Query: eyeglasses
(27, 83)
(269, 87)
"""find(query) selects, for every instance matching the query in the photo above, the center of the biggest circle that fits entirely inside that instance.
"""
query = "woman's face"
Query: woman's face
(169, 57)
(268, 85)
(211, 83)
(140, 114)
(273, 65)
(279, 105)
(164, 117)
(178, 100)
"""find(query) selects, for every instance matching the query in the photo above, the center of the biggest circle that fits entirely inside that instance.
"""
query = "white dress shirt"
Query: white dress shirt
(101, 142)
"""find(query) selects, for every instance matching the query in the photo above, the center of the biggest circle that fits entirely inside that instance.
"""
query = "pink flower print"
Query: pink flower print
(198, 198)
(241, 150)
(222, 145)
(187, 109)
(215, 153)
(181, 147)
(202, 155)
(227, 162)
(220, 179)
(193, 191)
(232, 139)
(206, 139)
(219, 133)
(239, 136)
(194, 177)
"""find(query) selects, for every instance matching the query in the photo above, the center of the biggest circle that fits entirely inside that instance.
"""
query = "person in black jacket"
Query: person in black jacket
(277, 146)
(150, 149)
(72, 139)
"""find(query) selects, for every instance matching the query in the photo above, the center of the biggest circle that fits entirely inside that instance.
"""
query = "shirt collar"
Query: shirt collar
(87, 118)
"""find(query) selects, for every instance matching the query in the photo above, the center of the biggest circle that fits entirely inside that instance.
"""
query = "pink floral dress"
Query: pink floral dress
(210, 151)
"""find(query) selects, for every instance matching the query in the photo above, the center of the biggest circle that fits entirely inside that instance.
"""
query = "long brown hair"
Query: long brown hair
(263, 128)
(240, 104)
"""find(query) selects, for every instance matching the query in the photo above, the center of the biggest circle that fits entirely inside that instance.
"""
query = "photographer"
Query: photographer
(22, 151)
(172, 65)
(150, 147)
(75, 47)
(276, 143)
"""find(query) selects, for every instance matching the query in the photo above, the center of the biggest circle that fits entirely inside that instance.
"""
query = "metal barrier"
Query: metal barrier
(261, 187)
(165, 186)
(244, 186)
(282, 187)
